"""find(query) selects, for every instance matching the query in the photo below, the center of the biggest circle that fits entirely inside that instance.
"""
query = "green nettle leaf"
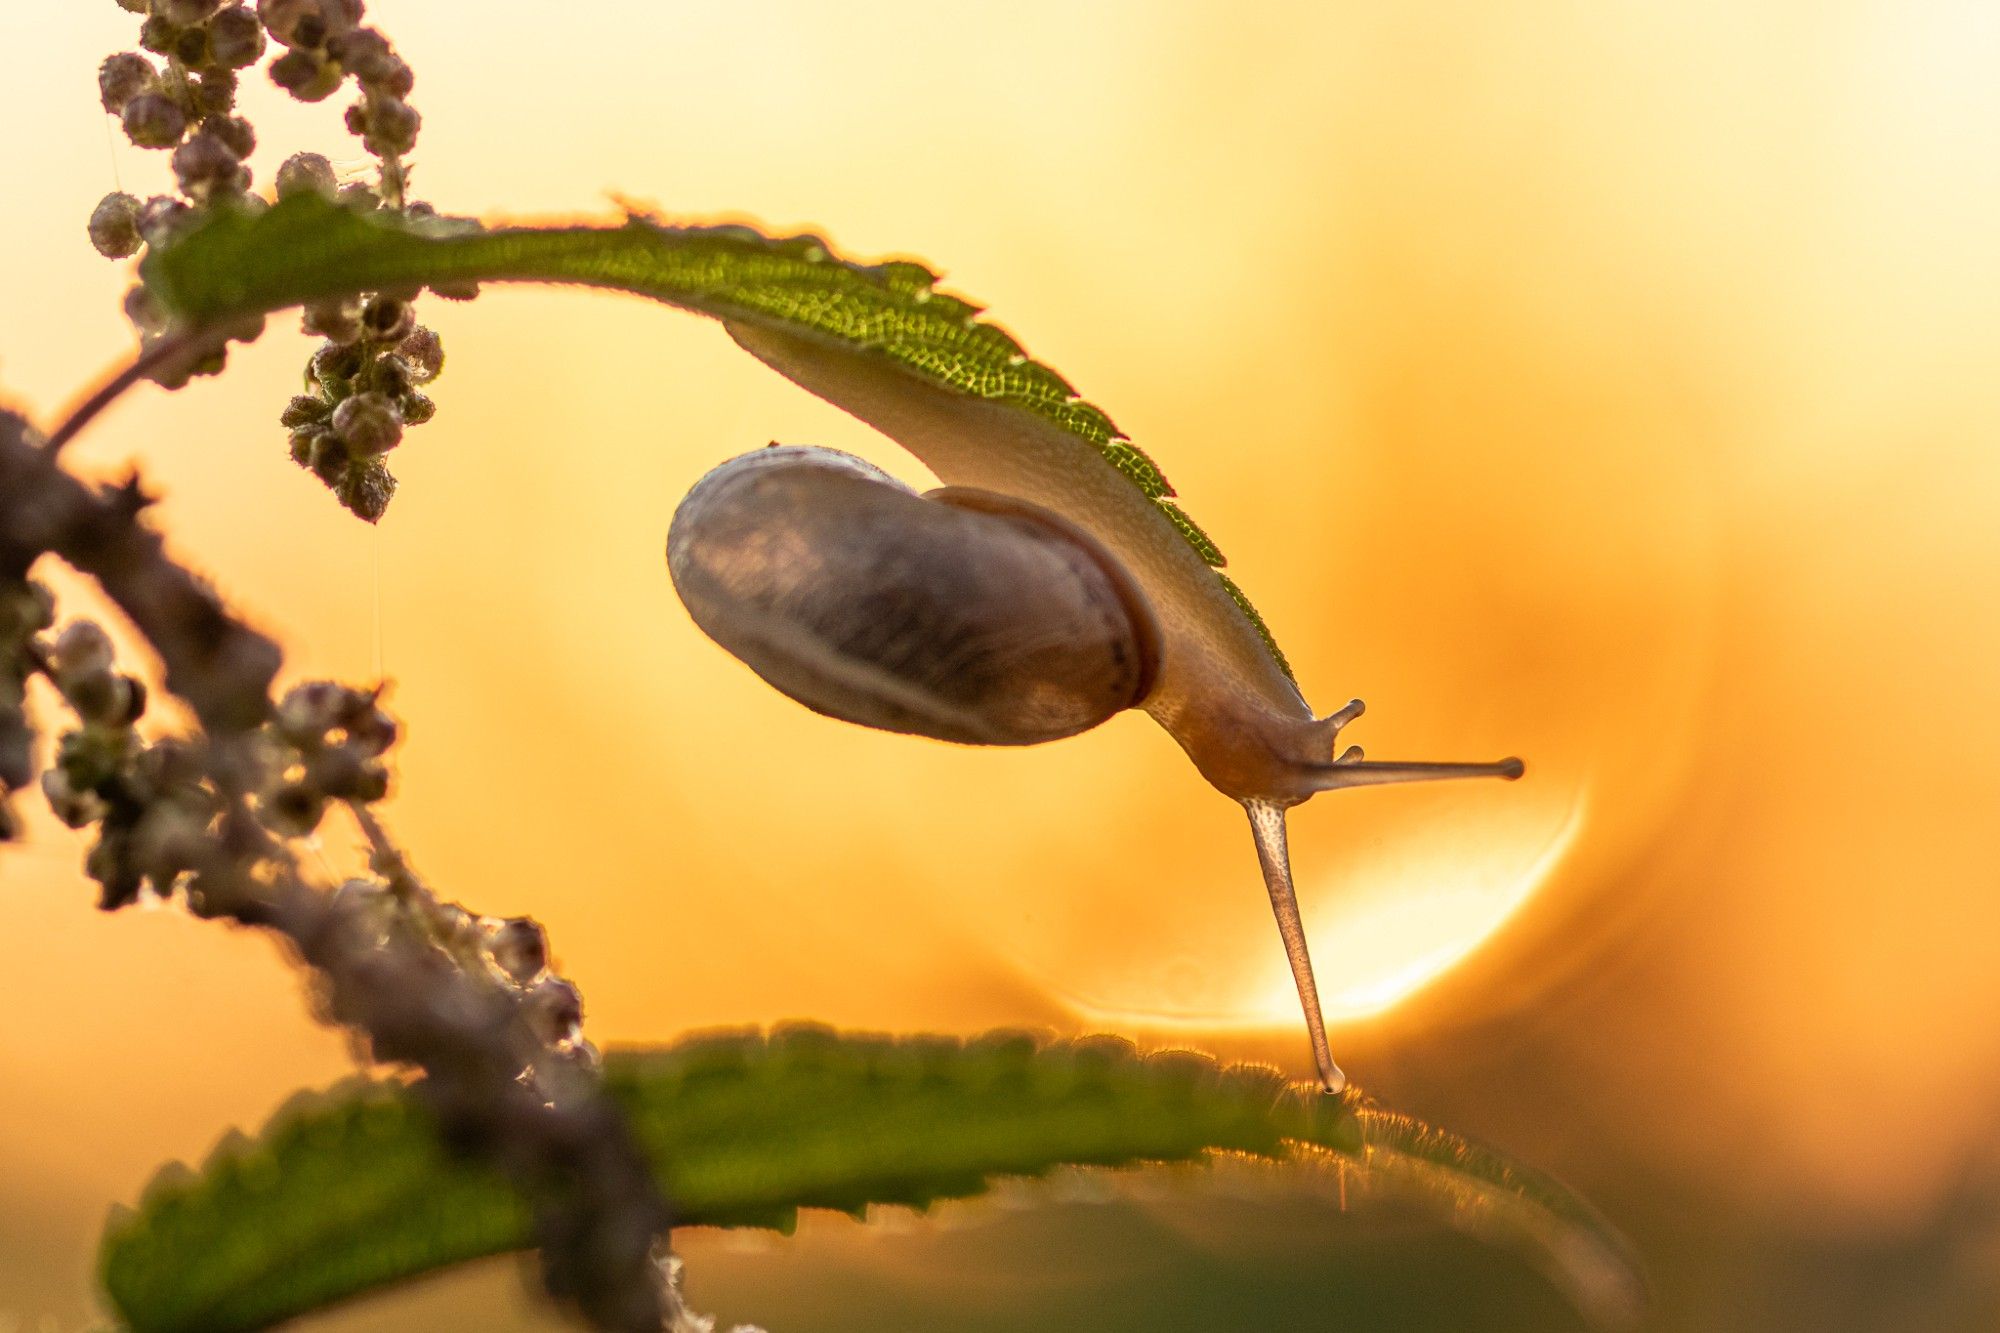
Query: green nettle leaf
(238, 264)
(351, 1189)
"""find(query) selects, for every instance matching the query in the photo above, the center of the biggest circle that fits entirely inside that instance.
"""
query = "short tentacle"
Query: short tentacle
(1267, 825)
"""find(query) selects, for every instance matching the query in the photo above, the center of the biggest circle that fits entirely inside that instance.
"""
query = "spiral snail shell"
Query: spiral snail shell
(960, 615)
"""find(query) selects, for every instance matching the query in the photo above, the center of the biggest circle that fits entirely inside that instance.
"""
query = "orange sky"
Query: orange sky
(1611, 386)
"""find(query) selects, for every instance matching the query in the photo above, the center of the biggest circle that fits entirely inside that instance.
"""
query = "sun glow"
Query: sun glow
(1422, 913)
(1393, 918)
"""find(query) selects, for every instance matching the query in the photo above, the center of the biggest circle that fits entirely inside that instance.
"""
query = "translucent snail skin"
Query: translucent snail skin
(1036, 594)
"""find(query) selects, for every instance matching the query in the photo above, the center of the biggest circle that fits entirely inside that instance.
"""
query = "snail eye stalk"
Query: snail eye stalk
(1267, 826)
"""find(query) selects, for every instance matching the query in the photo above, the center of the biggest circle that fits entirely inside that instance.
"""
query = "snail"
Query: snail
(961, 615)
(1035, 595)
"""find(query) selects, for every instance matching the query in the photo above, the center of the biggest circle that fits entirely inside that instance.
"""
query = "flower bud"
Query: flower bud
(303, 172)
(371, 731)
(305, 75)
(337, 320)
(123, 77)
(106, 698)
(205, 168)
(302, 442)
(283, 17)
(366, 490)
(554, 1011)
(94, 697)
(417, 408)
(387, 319)
(153, 121)
(390, 376)
(162, 216)
(235, 38)
(158, 36)
(304, 410)
(518, 947)
(334, 367)
(308, 23)
(330, 458)
(364, 53)
(390, 126)
(214, 92)
(235, 133)
(190, 47)
(92, 756)
(114, 226)
(394, 78)
(424, 351)
(74, 808)
(293, 810)
(81, 649)
(368, 423)
(310, 710)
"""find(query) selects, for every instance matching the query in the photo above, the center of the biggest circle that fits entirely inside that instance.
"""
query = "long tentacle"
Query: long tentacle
(1358, 772)
(1267, 825)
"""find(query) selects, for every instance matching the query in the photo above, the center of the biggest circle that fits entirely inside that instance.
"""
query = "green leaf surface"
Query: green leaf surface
(351, 1189)
(239, 264)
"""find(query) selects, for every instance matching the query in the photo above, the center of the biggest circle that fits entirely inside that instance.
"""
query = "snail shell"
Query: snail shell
(963, 614)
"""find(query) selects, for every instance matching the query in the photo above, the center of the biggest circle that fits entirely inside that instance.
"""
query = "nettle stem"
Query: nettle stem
(166, 353)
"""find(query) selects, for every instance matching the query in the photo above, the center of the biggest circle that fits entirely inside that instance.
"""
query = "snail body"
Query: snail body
(1220, 693)
(1037, 594)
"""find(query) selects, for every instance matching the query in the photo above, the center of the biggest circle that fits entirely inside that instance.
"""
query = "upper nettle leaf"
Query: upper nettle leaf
(306, 249)
(352, 1189)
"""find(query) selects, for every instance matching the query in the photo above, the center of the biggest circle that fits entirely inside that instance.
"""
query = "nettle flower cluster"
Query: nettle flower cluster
(157, 811)
(178, 95)
(26, 609)
(149, 801)
(154, 803)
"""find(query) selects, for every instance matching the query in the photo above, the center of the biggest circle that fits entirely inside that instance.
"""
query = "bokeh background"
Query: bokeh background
(1613, 385)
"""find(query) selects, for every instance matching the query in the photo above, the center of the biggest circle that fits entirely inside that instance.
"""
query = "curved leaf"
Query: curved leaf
(351, 1189)
(238, 264)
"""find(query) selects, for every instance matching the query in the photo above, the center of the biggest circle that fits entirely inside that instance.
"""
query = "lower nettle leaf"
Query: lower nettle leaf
(351, 1189)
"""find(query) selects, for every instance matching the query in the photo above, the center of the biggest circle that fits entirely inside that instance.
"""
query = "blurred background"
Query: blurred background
(1610, 385)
